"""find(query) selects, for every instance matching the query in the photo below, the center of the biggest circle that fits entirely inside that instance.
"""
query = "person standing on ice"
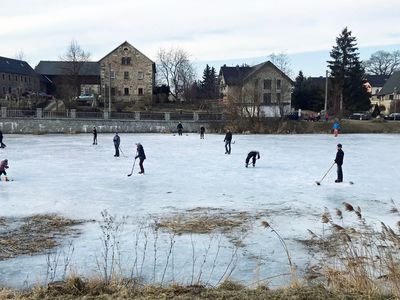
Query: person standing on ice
(339, 163)
(202, 130)
(2, 145)
(254, 155)
(94, 136)
(141, 155)
(336, 128)
(180, 128)
(116, 141)
(3, 167)
(228, 140)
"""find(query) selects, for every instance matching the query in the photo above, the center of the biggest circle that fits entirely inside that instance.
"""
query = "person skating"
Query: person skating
(3, 167)
(228, 140)
(116, 141)
(339, 163)
(254, 155)
(336, 128)
(180, 128)
(202, 131)
(141, 156)
(94, 136)
(2, 145)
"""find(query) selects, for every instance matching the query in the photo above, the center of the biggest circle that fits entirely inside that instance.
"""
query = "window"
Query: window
(112, 75)
(16, 78)
(267, 98)
(278, 84)
(125, 61)
(256, 83)
(21, 78)
(9, 89)
(126, 75)
(9, 77)
(4, 90)
(112, 91)
(140, 91)
(140, 75)
(278, 97)
(267, 84)
(126, 91)
(4, 76)
(128, 60)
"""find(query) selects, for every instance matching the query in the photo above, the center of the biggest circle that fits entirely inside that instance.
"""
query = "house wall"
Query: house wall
(13, 85)
(140, 75)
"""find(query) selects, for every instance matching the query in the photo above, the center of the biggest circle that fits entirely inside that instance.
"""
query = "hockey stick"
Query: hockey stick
(132, 168)
(122, 152)
(319, 182)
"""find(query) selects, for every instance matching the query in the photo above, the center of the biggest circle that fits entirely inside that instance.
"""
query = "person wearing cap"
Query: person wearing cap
(339, 163)
(254, 155)
(3, 167)
(141, 155)
(116, 141)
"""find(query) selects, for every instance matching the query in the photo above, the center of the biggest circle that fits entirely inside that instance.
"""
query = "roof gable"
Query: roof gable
(15, 66)
(125, 44)
(54, 68)
(392, 83)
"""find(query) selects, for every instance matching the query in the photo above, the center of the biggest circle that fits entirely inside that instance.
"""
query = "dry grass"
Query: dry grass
(34, 234)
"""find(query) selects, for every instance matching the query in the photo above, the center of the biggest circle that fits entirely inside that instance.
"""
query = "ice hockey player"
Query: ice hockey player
(141, 156)
(228, 140)
(94, 136)
(254, 155)
(180, 128)
(116, 141)
(2, 145)
(202, 131)
(339, 163)
(3, 167)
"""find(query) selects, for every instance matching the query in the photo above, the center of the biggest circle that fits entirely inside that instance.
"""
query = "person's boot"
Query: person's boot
(247, 165)
(337, 181)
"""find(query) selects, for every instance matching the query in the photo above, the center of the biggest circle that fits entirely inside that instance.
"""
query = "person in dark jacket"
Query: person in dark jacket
(254, 155)
(141, 155)
(180, 128)
(339, 163)
(2, 145)
(202, 131)
(94, 136)
(3, 167)
(116, 141)
(228, 140)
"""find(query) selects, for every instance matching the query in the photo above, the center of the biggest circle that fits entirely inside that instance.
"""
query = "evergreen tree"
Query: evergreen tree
(307, 95)
(347, 74)
(209, 83)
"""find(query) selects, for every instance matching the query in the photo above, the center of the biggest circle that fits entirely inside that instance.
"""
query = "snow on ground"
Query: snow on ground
(66, 174)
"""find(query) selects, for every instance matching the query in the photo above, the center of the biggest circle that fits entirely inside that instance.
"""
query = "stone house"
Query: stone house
(262, 88)
(389, 92)
(127, 75)
(17, 78)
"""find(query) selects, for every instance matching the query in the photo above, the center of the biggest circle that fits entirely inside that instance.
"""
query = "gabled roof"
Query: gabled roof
(238, 75)
(51, 68)
(15, 66)
(392, 83)
(125, 44)
(377, 80)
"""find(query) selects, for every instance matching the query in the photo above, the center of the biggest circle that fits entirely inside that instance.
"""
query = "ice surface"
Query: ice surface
(66, 174)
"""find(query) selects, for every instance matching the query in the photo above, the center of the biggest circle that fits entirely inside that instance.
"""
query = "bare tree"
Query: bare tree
(383, 63)
(176, 71)
(74, 59)
(20, 55)
(282, 62)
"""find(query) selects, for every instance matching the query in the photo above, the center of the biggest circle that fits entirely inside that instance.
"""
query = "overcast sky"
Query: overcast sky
(210, 30)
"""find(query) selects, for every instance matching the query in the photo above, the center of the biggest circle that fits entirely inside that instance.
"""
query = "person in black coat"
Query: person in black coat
(339, 163)
(228, 140)
(254, 155)
(202, 130)
(180, 128)
(2, 145)
(141, 155)
(116, 141)
(94, 136)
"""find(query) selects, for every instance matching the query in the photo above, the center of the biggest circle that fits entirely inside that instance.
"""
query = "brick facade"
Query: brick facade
(130, 73)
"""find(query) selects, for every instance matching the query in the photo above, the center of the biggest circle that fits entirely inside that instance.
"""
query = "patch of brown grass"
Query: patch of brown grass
(34, 234)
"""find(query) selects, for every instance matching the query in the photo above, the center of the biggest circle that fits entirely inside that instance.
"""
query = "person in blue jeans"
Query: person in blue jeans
(228, 140)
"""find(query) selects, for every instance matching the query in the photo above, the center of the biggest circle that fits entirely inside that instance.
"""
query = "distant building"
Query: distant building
(390, 91)
(129, 73)
(263, 85)
(17, 78)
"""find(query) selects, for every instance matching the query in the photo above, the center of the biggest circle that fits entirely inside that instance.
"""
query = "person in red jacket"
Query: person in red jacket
(3, 167)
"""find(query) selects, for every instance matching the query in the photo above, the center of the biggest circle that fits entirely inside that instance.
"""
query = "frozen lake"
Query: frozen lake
(67, 175)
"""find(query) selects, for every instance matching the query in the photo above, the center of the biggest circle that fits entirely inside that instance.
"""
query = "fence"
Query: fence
(133, 116)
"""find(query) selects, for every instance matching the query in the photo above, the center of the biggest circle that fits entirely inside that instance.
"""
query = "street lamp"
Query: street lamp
(395, 100)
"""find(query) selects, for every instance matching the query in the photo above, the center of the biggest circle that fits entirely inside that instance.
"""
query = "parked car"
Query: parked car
(359, 116)
(46, 96)
(393, 116)
(292, 116)
(86, 97)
